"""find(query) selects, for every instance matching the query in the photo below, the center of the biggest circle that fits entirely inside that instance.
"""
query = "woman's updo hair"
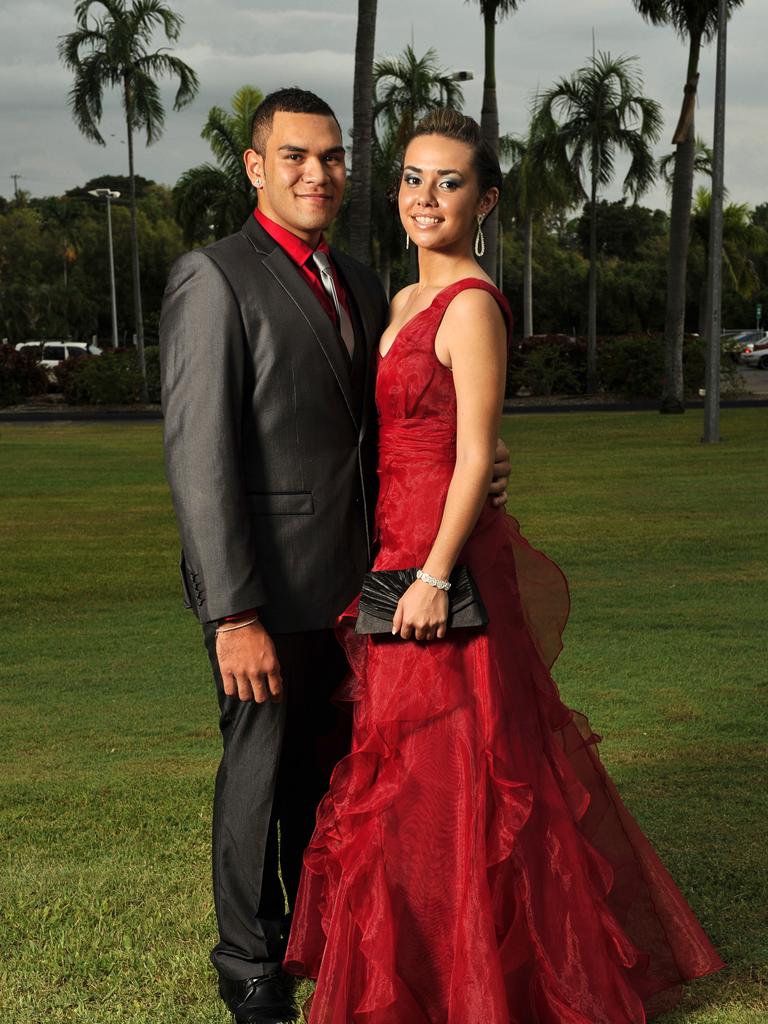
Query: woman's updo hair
(452, 124)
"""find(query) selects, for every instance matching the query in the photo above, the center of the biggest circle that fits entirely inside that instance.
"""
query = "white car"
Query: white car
(51, 353)
(754, 352)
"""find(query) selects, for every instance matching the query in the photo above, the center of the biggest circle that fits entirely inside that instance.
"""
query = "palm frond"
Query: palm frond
(702, 163)
(149, 14)
(87, 94)
(689, 18)
(143, 105)
(161, 64)
(224, 135)
(498, 8)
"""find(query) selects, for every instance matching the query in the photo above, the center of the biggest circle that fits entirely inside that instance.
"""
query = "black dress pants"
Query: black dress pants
(275, 768)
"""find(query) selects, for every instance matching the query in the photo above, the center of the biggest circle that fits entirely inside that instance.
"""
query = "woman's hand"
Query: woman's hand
(422, 611)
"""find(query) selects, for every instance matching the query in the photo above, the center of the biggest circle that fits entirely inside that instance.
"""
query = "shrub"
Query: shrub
(633, 366)
(152, 362)
(112, 378)
(20, 376)
(548, 364)
(109, 379)
(543, 371)
(695, 364)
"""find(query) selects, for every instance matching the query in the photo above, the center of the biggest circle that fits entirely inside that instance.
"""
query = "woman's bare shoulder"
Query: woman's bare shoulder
(400, 299)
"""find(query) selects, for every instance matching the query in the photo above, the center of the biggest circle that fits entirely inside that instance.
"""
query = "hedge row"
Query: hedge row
(112, 378)
(629, 366)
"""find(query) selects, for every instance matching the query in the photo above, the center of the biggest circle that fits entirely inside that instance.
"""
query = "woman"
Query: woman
(472, 862)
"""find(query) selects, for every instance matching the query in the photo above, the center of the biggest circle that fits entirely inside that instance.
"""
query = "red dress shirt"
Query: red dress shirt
(300, 252)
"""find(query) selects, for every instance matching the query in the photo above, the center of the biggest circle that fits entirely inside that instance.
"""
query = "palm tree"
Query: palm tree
(407, 87)
(696, 21)
(362, 133)
(579, 125)
(219, 196)
(738, 245)
(534, 188)
(702, 163)
(492, 12)
(61, 218)
(112, 50)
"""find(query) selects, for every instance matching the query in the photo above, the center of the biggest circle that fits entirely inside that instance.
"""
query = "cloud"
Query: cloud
(238, 41)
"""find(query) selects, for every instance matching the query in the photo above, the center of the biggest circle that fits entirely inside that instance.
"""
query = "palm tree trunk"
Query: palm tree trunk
(489, 125)
(413, 263)
(672, 397)
(592, 302)
(703, 304)
(362, 133)
(385, 270)
(528, 277)
(135, 249)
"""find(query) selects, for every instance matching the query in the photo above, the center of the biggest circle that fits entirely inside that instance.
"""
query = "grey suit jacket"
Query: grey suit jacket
(268, 455)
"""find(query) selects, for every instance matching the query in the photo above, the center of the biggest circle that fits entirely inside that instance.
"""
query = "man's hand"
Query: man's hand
(501, 471)
(249, 665)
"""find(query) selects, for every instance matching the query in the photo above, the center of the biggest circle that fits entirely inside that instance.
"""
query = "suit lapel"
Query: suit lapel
(298, 292)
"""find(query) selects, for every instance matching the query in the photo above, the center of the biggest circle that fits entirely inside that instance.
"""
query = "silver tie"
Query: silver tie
(346, 329)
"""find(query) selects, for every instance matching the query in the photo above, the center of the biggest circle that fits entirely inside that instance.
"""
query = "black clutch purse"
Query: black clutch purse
(382, 590)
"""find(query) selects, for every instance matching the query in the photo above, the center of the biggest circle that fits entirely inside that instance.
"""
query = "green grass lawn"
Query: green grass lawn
(108, 734)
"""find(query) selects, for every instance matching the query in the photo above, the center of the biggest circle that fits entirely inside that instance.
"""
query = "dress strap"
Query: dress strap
(444, 298)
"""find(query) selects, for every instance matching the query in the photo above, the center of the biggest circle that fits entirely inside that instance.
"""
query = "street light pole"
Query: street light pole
(109, 195)
(715, 268)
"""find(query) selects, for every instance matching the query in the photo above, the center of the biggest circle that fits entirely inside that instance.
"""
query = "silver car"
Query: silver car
(754, 352)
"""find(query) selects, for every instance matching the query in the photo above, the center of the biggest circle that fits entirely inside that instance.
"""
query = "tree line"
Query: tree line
(54, 276)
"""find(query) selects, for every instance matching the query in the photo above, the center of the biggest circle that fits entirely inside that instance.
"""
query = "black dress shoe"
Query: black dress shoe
(264, 1000)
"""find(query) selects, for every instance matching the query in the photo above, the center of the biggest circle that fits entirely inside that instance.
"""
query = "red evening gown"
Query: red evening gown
(472, 862)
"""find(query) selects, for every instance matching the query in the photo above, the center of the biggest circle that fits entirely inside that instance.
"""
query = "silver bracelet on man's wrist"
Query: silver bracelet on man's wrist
(238, 625)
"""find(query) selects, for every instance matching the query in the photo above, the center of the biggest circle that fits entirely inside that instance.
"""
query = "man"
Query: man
(267, 339)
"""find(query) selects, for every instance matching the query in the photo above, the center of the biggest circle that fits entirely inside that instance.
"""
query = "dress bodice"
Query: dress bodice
(416, 403)
(411, 382)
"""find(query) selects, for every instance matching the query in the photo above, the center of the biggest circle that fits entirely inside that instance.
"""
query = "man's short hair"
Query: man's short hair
(286, 101)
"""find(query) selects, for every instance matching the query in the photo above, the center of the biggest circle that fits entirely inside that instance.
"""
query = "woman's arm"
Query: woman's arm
(472, 340)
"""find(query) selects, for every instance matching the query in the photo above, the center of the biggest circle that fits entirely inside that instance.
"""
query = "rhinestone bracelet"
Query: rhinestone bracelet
(432, 580)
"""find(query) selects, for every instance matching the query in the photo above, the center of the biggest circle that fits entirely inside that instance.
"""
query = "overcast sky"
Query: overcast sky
(269, 44)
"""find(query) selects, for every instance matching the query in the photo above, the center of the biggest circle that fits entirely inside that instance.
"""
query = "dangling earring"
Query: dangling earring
(479, 239)
(407, 240)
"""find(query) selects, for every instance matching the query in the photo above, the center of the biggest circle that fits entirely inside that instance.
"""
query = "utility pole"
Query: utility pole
(15, 179)
(715, 268)
(109, 195)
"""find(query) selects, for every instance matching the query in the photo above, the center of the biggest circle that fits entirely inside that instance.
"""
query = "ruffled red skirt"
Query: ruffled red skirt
(473, 862)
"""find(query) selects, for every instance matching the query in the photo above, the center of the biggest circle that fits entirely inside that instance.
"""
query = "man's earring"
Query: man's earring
(479, 239)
